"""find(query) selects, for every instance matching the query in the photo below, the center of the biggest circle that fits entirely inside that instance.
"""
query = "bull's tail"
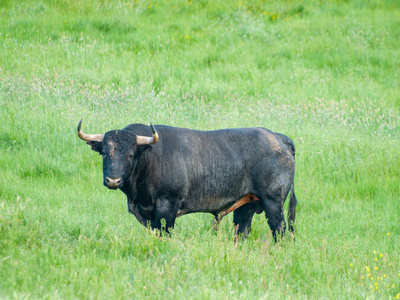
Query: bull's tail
(293, 199)
(292, 209)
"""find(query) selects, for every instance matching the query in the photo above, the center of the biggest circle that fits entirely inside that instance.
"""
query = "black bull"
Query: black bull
(170, 172)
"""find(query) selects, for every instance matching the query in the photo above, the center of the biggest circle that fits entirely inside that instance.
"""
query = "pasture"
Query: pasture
(324, 73)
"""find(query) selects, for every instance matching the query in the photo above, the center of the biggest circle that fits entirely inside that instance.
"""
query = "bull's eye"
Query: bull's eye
(131, 155)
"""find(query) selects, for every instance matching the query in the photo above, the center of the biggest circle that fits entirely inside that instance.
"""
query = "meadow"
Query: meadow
(324, 73)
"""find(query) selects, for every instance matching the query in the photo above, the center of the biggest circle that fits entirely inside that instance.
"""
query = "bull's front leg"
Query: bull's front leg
(164, 216)
(133, 209)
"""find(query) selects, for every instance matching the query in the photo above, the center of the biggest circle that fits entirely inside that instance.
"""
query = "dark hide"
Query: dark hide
(190, 171)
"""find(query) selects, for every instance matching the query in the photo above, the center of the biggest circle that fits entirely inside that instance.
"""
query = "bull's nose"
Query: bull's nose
(113, 183)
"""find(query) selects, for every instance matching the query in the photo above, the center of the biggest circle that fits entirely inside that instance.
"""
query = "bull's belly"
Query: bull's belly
(207, 204)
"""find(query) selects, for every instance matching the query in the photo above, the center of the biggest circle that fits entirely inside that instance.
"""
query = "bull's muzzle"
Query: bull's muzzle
(113, 183)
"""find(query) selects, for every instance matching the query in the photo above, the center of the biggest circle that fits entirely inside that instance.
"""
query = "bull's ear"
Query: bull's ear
(96, 146)
(143, 148)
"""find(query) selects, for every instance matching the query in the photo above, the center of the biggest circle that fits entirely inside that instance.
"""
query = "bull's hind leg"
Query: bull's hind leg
(216, 221)
(273, 209)
(292, 209)
(242, 218)
(273, 202)
(272, 198)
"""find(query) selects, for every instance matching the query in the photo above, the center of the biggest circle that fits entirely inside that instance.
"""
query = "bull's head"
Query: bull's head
(120, 150)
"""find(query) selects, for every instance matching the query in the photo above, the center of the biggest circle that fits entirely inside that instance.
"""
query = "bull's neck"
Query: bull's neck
(136, 188)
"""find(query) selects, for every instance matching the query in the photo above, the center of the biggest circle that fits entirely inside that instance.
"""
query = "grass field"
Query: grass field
(325, 73)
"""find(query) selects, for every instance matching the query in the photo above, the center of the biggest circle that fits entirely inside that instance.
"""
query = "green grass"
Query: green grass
(325, 73)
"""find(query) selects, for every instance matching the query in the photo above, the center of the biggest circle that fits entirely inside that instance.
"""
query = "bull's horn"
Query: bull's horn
(89, 137)
(145, 140)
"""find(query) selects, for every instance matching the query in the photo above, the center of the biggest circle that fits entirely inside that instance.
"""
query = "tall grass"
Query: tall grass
(324, 73)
